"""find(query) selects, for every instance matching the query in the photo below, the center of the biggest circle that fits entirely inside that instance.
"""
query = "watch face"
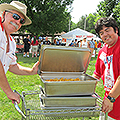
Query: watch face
(112, 100)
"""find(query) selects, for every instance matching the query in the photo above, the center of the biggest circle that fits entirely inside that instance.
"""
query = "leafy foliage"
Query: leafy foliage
(88, 22)
(106, 8)
(116, 12)
(81, 22)
(109, 8)
(91, 23)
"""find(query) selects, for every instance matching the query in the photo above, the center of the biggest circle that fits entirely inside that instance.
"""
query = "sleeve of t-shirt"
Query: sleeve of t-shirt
(119, 66)
(14, 60)
(99, 67)
(13, 54)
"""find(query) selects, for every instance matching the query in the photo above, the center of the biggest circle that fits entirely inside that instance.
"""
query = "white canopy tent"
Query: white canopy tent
(78, 34)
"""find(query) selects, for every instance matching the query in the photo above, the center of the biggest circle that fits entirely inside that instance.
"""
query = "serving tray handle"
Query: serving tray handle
(17, 107)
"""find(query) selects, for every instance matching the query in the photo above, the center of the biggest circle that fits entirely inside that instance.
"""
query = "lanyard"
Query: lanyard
(1, 24)
(3, 28)
(108, 60)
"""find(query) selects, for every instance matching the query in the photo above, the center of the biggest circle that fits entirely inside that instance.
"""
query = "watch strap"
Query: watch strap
(112, 99)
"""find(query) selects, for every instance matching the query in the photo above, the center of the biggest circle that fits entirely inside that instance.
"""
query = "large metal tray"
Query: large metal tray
(66, 62)
(86, 86)
(72, 101)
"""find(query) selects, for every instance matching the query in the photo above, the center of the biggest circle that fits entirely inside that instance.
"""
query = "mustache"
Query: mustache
(14, 25)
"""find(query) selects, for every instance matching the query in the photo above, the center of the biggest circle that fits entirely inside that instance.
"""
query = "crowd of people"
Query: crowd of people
(33, 44)
(96, 45)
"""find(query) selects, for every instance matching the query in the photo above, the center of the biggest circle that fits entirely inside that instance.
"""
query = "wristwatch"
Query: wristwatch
(112, 99)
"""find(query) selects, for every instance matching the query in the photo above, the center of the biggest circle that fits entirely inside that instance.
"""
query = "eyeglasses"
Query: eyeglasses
(17, 17)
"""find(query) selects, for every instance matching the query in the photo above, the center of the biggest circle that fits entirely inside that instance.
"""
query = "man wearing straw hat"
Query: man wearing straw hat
(13, 17)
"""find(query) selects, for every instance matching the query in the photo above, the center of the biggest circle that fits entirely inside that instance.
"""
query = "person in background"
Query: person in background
(41, 41)
(46, 42)
(75, 43)
(26, 43)
(34, 45)
(99, 46)
(72, 43)
(39, 48)
(17, 41)
(84, 43)
(79, 43)
(92, 44)
(57, 42)
(13, 17)
(107, 66)
(95, 46)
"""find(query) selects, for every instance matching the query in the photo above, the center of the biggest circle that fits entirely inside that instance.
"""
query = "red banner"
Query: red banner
(63, 40)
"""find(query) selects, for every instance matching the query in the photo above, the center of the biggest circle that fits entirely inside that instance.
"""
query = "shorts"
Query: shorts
(34, 48)
(26, 48)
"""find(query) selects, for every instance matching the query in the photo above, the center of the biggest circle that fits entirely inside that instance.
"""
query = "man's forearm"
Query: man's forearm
(3, 81)
(115, 91)
(20, 70)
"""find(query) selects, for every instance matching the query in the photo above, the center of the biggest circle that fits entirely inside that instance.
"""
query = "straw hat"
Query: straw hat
(18, 6)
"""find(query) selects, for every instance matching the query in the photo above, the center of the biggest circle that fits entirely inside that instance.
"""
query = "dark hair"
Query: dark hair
(26, 35)
(34, 40)
(106, 21)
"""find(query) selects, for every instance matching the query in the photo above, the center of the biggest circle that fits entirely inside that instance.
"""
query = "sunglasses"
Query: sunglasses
(16, 17)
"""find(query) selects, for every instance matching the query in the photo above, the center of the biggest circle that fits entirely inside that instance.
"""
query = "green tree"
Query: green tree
(116, 12)
(109, 8)
(88, 22)
(81, 22)
(48, 16)
(91, 20)
(73, 25)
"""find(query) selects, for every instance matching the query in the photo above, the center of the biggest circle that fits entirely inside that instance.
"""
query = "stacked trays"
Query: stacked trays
(67, 63)
(72, 101)
(69, 106)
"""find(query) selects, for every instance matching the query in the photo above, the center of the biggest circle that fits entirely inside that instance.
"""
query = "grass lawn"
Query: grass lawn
(30, 83)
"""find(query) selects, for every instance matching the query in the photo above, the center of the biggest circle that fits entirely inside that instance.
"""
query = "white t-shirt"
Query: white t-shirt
(84, 44)
(8, 58)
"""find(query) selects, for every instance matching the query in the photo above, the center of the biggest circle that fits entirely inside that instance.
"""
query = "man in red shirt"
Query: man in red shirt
(108, 65)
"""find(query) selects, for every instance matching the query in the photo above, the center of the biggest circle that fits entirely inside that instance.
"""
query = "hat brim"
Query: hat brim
(6, 6)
